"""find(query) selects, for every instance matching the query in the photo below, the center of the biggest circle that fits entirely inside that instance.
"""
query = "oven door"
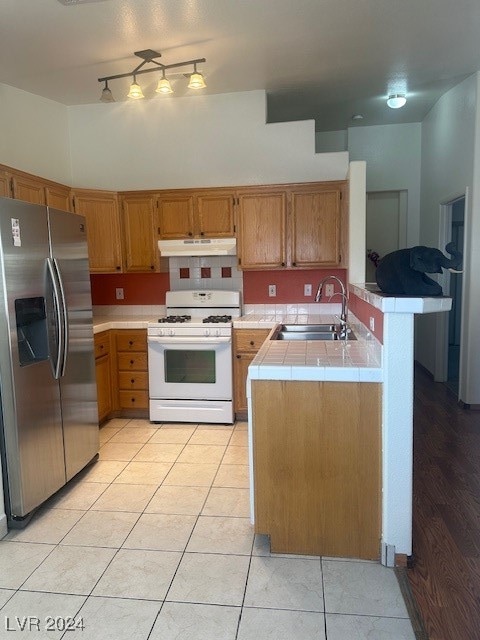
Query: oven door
(190, 368)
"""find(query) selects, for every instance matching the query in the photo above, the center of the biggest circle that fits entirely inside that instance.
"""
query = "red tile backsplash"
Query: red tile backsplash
(138, 288)
(289, 285)
(364, 311)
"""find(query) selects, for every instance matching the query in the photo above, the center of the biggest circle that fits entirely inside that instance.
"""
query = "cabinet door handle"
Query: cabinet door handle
(201, 233)
(152, 266)
(239, 356)
(118, 267)
(132, 361)
(130, 342)
(190, 233)
(132, 380)
(294, 264)
(252, 343)
(132, 399)
(283, 264)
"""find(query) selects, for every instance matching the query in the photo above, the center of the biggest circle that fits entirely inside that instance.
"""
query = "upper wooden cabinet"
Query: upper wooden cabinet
(196, 214)
(4, 184)
(28, 188)
(100, 209)
(214, 214)
(295, 226)
(139, 241)
(23, 186)
(58, 197)
(262, 229)
(315, 227)
(175, 216)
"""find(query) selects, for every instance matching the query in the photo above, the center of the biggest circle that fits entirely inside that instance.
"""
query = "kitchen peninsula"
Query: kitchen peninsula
(337, 416)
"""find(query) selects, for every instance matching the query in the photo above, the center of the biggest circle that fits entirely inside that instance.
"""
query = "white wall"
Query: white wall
(450, 159)
(393, 157)
(34, 135)
(216, 140)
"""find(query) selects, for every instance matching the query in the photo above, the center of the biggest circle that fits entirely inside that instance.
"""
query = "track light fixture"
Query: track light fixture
(197, 81)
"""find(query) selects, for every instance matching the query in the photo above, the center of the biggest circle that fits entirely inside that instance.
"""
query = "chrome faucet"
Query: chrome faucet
(318, 297)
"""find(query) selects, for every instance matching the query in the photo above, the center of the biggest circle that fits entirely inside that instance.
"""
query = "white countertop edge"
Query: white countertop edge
(105, 324)
(313, 373)
(404, 304)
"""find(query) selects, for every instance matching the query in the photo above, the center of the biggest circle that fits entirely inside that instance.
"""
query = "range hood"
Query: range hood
(198, 247)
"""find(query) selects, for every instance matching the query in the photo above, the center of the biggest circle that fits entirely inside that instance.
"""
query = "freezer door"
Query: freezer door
(77, 381)
(31, 427)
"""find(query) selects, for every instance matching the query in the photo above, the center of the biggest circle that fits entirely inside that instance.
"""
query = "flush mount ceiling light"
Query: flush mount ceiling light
(396, 100)
(149, 56)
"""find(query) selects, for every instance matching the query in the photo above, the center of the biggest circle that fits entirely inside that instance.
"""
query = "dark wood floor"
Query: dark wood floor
(445, 577)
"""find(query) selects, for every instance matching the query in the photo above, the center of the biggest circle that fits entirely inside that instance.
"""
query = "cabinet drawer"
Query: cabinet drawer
(102, 344)
(250, 339)
(132, 340)
(134, 380)
(133, 399)
(135, 361)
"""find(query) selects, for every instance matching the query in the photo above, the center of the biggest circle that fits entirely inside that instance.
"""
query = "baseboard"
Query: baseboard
(410, 603)
(401, 560)
(3, 526)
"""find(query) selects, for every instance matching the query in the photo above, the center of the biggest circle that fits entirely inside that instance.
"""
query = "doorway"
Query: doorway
(455, 315)
(386, 226)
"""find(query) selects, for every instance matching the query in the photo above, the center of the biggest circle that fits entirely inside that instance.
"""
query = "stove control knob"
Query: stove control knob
(207, 332)
(172, 332)
(217, 332)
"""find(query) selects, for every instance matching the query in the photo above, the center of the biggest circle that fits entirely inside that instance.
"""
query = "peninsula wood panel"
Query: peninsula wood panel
(103, 373)
(317, 463)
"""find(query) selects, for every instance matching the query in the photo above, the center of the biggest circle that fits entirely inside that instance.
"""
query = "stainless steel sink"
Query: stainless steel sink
(307, 328)
(309, 332)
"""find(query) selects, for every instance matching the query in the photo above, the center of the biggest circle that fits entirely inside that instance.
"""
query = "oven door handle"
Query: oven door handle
(191, 340)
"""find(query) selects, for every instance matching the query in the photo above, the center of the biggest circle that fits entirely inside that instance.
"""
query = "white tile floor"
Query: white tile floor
(154, 542)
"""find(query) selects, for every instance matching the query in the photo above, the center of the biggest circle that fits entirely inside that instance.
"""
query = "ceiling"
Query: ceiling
(316, 59)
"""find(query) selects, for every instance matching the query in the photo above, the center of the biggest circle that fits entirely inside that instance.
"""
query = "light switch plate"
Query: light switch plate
(119, 295)
(372, 323)
(329, 290)
(272, 290)
(307, 290)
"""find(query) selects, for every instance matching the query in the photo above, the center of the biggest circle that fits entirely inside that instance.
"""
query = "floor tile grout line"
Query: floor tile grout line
(324, 599)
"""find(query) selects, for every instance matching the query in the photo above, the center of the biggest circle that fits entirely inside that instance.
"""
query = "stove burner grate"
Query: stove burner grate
(175, 319)
(217, 319)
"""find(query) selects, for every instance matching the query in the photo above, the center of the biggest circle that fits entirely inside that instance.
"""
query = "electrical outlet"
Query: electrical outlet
(119, 293)
(329, 290)
(372, 323)
(307, 290)
(272, 290)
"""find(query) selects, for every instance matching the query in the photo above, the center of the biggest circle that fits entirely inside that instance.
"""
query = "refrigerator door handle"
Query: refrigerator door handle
(57, 367)
(64, 318)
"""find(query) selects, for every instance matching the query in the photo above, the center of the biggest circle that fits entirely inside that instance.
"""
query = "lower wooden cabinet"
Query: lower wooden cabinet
(246, 343)
(132, 369)
(103, 372)
(317, 466)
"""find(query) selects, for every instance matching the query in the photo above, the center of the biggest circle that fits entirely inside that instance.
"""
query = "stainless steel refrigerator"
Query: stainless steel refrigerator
(48, 420)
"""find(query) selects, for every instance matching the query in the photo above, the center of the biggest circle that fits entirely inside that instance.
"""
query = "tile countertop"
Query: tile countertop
(352, 361)
(105, 323)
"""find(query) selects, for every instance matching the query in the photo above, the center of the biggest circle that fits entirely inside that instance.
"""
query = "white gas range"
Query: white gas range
(190, 358)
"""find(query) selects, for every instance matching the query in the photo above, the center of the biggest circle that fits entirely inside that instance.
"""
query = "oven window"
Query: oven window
(190, 366)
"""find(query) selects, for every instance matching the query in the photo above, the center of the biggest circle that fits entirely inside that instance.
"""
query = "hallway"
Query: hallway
(445, 578)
